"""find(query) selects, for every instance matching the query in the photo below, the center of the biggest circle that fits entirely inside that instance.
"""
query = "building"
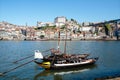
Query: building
(86, 28)
(43, 24)
(60, 21)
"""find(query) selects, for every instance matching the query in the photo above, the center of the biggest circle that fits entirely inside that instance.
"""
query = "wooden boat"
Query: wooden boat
(64, 64)
(58, 60)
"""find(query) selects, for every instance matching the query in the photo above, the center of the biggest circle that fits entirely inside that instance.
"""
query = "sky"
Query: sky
(20, 12)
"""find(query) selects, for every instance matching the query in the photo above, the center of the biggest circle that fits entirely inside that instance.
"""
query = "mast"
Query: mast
(58, 40)
(65, 40)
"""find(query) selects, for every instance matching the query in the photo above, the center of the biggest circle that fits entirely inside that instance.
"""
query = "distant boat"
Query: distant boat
(58, 60)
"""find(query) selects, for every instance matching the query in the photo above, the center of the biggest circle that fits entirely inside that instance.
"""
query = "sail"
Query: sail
(38, 55)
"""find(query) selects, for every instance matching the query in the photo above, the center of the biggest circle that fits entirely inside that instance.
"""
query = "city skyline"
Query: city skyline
(21, 12)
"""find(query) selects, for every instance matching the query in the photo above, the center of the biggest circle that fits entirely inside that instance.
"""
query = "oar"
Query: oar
(1, 74)
(23, 58)
(28, 57)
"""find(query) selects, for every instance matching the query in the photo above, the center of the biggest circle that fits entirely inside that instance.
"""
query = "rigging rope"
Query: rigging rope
(29, 56)
(16, 67)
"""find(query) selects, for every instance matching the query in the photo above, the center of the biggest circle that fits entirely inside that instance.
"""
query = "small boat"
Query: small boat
(59, 60)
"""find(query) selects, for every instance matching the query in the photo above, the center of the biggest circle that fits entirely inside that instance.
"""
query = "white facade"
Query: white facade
(85, 28)
(60, 19)
(50, 24)
(41, 24)
(39, 33)
(59, 24)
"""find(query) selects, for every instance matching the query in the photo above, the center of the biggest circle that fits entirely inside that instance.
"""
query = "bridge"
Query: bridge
(103, 23)
(115, 22)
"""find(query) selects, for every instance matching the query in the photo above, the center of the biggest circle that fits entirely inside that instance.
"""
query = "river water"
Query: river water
(108, 63)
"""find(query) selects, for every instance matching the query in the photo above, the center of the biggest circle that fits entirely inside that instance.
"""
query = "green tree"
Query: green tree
(108, 26)
(72, 19)
(108, 29)
(63, 27)
(42, 36)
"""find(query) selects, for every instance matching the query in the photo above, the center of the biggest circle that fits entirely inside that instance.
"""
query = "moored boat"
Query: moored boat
(60, 61)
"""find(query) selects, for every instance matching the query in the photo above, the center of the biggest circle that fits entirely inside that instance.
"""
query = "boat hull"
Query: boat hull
(45, 65)
(65, 65)
(72, 65)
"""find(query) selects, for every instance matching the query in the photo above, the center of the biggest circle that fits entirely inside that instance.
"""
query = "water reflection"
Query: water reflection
(57, 74)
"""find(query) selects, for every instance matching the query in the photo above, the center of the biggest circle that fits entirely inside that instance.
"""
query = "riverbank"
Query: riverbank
(106, 39)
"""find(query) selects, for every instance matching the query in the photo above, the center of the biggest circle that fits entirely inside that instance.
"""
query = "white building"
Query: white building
(60, 21)
(50, 24)
(72, 25)
(86, 28)
(42, 24)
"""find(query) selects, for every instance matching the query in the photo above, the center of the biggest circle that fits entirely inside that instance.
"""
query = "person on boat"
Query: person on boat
(54, 52)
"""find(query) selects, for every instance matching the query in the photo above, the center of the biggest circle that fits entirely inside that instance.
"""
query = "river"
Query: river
(107, 65)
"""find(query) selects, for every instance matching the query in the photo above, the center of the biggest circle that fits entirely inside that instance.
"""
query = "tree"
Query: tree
(108, 29)
(63, 27)
(42, 36)
(72, 19)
